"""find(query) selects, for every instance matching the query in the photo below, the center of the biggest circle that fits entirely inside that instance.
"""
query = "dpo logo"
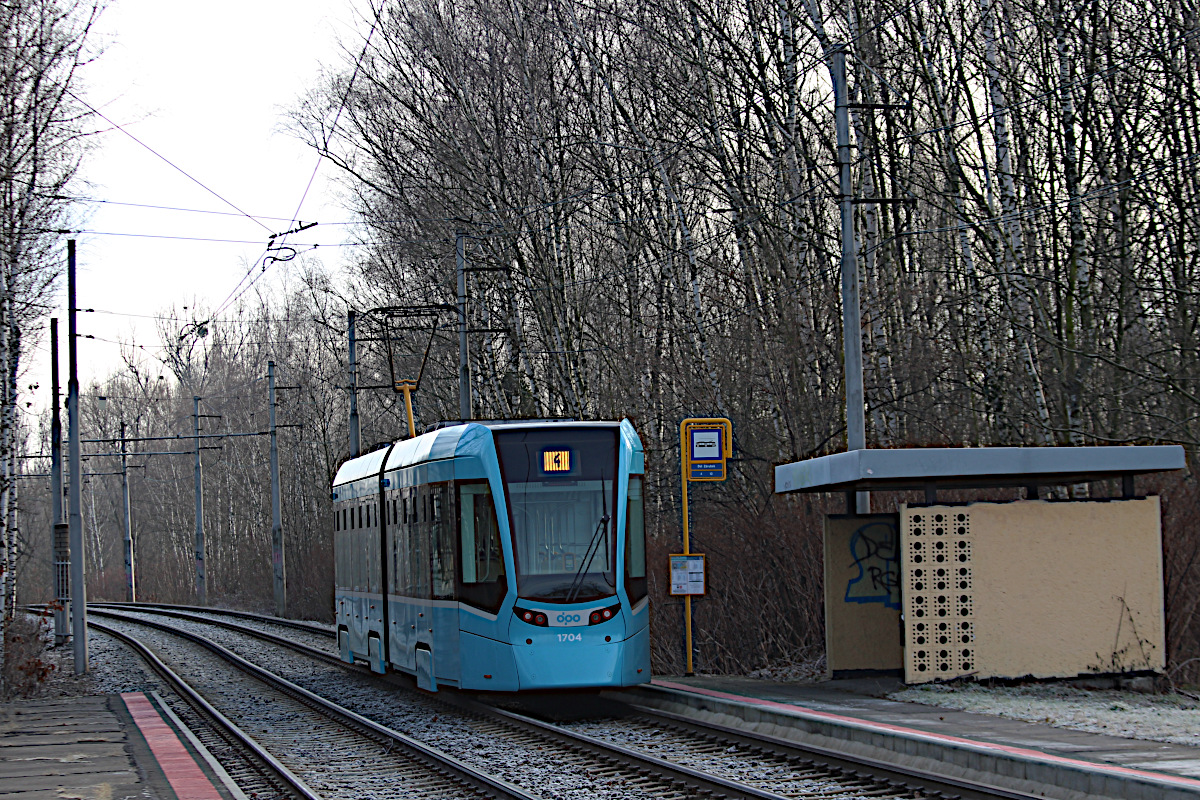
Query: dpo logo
(566, 619)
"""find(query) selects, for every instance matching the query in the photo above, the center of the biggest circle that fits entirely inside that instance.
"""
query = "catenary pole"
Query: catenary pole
(856, 424)
(59, 530)
(277, 552)
(130, 581)
(75, 480)
(464, 368)
(56, 482)
(353, 387)
(201, 578)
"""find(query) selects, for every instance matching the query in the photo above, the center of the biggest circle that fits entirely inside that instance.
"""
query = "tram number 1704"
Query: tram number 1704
(570, 637)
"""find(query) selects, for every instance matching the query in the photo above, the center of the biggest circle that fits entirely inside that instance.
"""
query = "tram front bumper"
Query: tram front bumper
(548, 663)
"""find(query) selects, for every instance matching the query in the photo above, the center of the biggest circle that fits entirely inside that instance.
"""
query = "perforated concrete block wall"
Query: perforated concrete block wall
(939, 594)
(1048, 589)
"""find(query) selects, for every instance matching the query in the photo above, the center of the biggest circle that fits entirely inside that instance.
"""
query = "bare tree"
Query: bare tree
(43, 44)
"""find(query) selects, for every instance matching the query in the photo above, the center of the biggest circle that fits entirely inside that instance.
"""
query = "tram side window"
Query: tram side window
(352, 562)
(442, 530)
(339, 559)
(373, 566)
(635, 542)
(418, 553)
(343, 576)
(395, 578)
(360, 556)
(402, 558)
(364, 560)
(407, 550)
(346, 579)
(482, 580)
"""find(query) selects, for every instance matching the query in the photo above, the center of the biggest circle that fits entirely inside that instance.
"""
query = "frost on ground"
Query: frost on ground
(1171, 718)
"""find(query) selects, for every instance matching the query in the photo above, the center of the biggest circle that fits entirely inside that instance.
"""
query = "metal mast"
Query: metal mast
(75, 477)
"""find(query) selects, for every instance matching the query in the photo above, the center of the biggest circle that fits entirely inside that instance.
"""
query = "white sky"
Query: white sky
(206, 86)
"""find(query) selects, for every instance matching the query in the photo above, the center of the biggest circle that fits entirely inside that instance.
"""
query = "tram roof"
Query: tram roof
(455, 439)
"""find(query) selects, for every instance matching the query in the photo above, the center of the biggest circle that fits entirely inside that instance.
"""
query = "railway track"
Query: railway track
(250, 767)
(315, 747)
(656, 753)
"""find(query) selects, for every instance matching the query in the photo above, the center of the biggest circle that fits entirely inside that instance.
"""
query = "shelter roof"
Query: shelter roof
(972, 467)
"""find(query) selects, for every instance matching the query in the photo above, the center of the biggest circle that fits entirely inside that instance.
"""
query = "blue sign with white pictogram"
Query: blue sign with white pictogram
(706, 453)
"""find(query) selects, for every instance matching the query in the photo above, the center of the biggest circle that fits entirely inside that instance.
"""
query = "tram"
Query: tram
(496, 556)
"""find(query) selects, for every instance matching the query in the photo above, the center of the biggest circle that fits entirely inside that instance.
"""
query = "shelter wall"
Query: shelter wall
(862, 594)
(1048, 589)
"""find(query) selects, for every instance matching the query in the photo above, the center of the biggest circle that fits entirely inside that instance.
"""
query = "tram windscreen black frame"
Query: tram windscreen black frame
(561, 493)
(482, 581)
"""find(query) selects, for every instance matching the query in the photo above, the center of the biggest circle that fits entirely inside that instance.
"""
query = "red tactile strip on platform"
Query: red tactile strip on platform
(883, 726)
(183, 773)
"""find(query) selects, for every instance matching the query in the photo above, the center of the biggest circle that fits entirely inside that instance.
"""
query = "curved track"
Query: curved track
(316, 747)
(255, 771)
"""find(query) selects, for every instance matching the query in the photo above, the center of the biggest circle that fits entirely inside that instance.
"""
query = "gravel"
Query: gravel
(528, 765)
(1173, 718)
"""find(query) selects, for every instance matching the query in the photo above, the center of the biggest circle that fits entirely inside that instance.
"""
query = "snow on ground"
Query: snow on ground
(1156, 717)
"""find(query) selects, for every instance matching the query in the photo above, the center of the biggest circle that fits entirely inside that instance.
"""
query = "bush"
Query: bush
(27, 666)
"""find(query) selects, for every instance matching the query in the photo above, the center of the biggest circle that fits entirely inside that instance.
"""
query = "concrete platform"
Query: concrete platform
(853, 715)
(104, 747)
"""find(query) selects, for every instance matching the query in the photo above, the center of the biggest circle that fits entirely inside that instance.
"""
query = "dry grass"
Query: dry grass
(28, 667)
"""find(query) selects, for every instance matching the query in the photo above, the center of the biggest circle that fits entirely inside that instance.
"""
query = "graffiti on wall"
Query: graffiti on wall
(876, 553)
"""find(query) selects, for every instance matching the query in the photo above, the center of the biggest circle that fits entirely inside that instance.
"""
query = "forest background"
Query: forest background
(647, 196)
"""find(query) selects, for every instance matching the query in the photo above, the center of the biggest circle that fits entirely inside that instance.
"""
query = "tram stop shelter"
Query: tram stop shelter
(1032, 587)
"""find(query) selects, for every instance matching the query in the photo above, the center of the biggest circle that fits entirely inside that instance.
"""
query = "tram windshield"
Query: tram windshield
(560, 489)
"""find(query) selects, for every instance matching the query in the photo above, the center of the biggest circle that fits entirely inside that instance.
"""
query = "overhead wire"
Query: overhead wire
(166, 160)
(155, 207)
(235, 294)
(589, 280)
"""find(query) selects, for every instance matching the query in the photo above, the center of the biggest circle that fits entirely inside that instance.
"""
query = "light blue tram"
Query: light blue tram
(496, 556)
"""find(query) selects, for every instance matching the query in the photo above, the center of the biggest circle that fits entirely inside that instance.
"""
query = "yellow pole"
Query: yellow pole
(687, 599)
(406, 387)
(685, 462)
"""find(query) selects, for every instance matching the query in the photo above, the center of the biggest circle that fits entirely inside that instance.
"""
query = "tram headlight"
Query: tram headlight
(531, 617)
(603, 614)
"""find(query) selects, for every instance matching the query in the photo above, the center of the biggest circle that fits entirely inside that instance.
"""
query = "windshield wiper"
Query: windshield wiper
(589, 556)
